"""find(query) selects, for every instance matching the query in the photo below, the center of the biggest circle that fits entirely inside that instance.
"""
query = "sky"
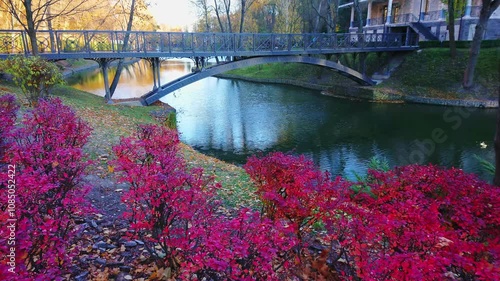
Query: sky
(173, 12)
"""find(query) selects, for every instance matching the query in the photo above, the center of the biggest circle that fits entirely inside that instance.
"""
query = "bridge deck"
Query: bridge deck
(91, 44)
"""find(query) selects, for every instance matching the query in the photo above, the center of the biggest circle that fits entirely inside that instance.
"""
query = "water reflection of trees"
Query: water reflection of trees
(136, 79)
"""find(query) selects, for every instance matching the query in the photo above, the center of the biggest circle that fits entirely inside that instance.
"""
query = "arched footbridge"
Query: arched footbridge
(249, 48)
(172, 86)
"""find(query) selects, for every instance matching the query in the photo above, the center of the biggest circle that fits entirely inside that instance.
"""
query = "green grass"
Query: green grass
(293, 71)
(312, 73)
(432, 73)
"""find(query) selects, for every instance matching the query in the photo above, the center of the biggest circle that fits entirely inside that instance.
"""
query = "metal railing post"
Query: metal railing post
(161, 43)
(192, 42)
(253, 42)
(113, 41)
(87, 42)
(234, 42)
(58, 42)
(25, 43)
(169, 43)
(272, 42)
(183, 43)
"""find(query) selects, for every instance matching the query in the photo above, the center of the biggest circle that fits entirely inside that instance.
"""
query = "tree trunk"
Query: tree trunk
(207, 25)
(318, 17)
(496, 179)
(51, 31)
(243, 12)
(119, 68)
(486, 11)
(361, 39)
(30, 24)
(333, 6)
(451, 28)
(216, 8)
(227, 7)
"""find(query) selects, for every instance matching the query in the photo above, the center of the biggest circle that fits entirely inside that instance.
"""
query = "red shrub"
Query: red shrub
(290, 187)
(173, 208)
(246, 247)
(424, 223)
(168, 204)
(47, 154)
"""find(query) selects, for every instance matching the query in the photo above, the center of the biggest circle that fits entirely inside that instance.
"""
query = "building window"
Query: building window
(394, 12)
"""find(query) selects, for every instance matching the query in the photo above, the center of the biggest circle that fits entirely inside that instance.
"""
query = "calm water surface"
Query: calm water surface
(232, 119)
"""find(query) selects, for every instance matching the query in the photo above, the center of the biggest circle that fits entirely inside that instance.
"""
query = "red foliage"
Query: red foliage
(167, 204)
(424, 223)
(173, 208)
(47, 154)
(291, 188)
(246, 247)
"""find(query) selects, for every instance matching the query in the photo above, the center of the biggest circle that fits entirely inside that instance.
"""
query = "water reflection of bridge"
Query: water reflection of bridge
(250, 48)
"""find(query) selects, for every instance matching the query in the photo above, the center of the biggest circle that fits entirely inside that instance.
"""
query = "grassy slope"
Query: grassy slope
(294, 71)
(429, 72)
(432, 73)
(110, 122)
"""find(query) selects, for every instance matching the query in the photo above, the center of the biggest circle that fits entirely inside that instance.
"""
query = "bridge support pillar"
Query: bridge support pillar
(199, 63)
(104, 65)
(155, 65)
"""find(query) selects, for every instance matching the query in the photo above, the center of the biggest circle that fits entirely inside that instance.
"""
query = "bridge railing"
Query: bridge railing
(90, 42)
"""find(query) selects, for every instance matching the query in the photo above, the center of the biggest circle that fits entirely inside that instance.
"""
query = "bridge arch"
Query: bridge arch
(170, 87)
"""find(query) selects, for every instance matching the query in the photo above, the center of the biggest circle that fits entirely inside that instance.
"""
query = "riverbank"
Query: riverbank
(427, 76)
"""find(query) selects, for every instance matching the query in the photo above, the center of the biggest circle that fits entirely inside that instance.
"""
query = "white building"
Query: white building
(428, 18)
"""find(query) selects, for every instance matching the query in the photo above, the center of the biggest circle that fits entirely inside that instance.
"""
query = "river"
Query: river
(232, 119)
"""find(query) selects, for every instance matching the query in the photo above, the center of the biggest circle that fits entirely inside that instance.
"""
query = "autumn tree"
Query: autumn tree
(244, 7)
(133, 9)
(204, 11)
(288, 20)
(227, 10)
(119, 69)
(32, 14)
(218, 10)
(455, 9)
(487, 9)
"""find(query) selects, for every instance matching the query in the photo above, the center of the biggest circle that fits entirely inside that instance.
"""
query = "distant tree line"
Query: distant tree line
(271, 16)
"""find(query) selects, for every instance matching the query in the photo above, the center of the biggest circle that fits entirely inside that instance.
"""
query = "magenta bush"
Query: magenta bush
(424, 223)
(291, 188)
(49, 162)
(173, 208)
